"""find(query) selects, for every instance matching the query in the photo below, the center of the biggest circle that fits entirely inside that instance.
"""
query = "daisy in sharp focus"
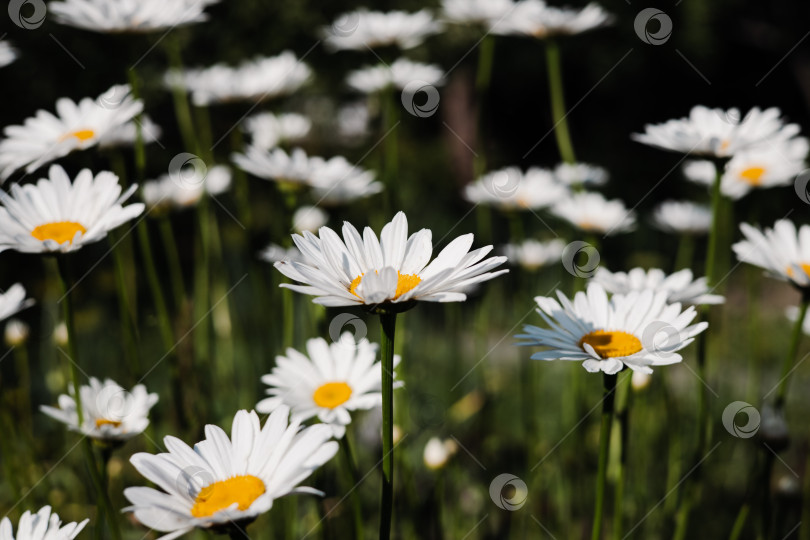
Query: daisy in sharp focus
(591, 212)
(484, 13)
(639, 330)
(109, 412)
(718, 133)
(122, 16)
(13, 301)
(254, 81)
(392, 271)
(682, 217)
(7, 53)
(398, 75)
(534, 254)
(512, 189)
(363, 29)
(176, 191)
(268, 130)
(783, 251)
(330, 382)
(679, 286)
(537, 19)
(44, 525)
(76, 126)
(223, 482)
(55, 215)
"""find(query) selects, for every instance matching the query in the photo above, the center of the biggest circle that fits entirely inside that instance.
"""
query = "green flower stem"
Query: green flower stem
(173, 259)
(181, 107)
(203, 122)
(388, 323)
(516, 232)
(390, 106)
(686, 252)
(739, 522)
(354, 475)
(483, 77)
(129, 325)
(140, 151)
(558, 112)
(624, 400)
(608, 398)
(790, 358)
(711, 246)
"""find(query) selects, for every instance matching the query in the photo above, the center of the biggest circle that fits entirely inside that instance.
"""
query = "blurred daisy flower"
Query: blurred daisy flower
(127, 134)
(534, 254)
(7, 53)
(484, 13)
(591, 212)
(309, 218)
(16, 333)
(13, 301)
(109, 412)
(268, 130)
(274, 253)
(77, 126)
(44, 525)
(438, 452)
(764, 166)
(679, 286)
(391, 271)
(223, 481)
(330, 383)
(512, 189)
(176, 191)
(537, 19)
(363, 29)
(682, 217)
(55, 215)
(353, 122)
(120, 16)
(580, 174)
(398, 75)
(782, 251)
(638, 330)
(255, 81)
(717, 133)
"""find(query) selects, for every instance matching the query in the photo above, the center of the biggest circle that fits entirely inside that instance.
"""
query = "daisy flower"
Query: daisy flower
(256, 80)
(782, 251)
(512, 189)
(717, 133)
(484, 13)
(337, 182)
(537, 19)
(398, 75)
(44, 525)
(109, 412)
(77, 126)
(534, 254)
(609, 334)
(309, 218)
(591, 212)
(274, 253)
(680, 286)
(54, 215)
(118, 16)
(682, 217)
(7, 53)
(175, 191)
(764, 166)
(329, 382)
(580, 174)
(13, 301)
(392, 271)
(438, 452)
(16, 333)
(127, 134)
(363, 29)
(268, 130)
(226, 480)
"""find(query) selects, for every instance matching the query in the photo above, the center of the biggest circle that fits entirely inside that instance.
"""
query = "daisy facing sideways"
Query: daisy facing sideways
(398, 75)
(591, 212)
(225, 482)
(537, 19)
(55, 215)
(390, 271)
(783, 251)
(330, 383)
(110, 413)
(679, 286)
(44, 525)
(533, 254)
(361, 29)
(682, 217)
(13, 301)
(638, 330)
(116, 16)
(512, 189)
(75, 126)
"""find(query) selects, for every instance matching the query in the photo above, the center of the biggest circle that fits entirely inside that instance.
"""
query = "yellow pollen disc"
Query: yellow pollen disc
(104, 422)
(753, 175)
(59, 232)
(587, 226)
(332, 394)
(611, 344)
(81, 134)
(803, 266)
(405, 282)
(239, 490)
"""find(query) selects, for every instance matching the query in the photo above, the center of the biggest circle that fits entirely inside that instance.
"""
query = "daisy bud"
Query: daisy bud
(640, 380)
(60, 335)
(16, 333)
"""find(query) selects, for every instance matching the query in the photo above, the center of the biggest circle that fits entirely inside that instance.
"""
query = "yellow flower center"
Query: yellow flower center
(405, 282)
(803, 266)
(104, 422)
(611, 344)
(332, 394)
(81, 134)
(587, 225)
(60, 231)
(239, 490)
(753, 175)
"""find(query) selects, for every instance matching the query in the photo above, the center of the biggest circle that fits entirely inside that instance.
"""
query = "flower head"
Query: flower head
(13, 301)
(44, 525)
(55, 215)
(591, 212)
(226, 480)
(537, 19)
(580, 174)
(7, 53)
(127, 134)
(309, 218)
(268, 130)
(398, 75)
(782, 251)
(362, 28)
(117, 16)
(679, 286)
(638, 330)
(682, 217)
(389, 272)
(512, 189)
(533, 254)
(486, 13)
(176, 191)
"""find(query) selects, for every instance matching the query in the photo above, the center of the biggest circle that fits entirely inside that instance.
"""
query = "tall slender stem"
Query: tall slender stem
(608, 398)
(388, 323)
(558, 112)
(790, 358)
(624, 399)
(711, 246)
(351, 466)
(686, 251)
(181, 107)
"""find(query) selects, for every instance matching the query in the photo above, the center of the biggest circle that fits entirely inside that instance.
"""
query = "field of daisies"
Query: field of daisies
(447, 269)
